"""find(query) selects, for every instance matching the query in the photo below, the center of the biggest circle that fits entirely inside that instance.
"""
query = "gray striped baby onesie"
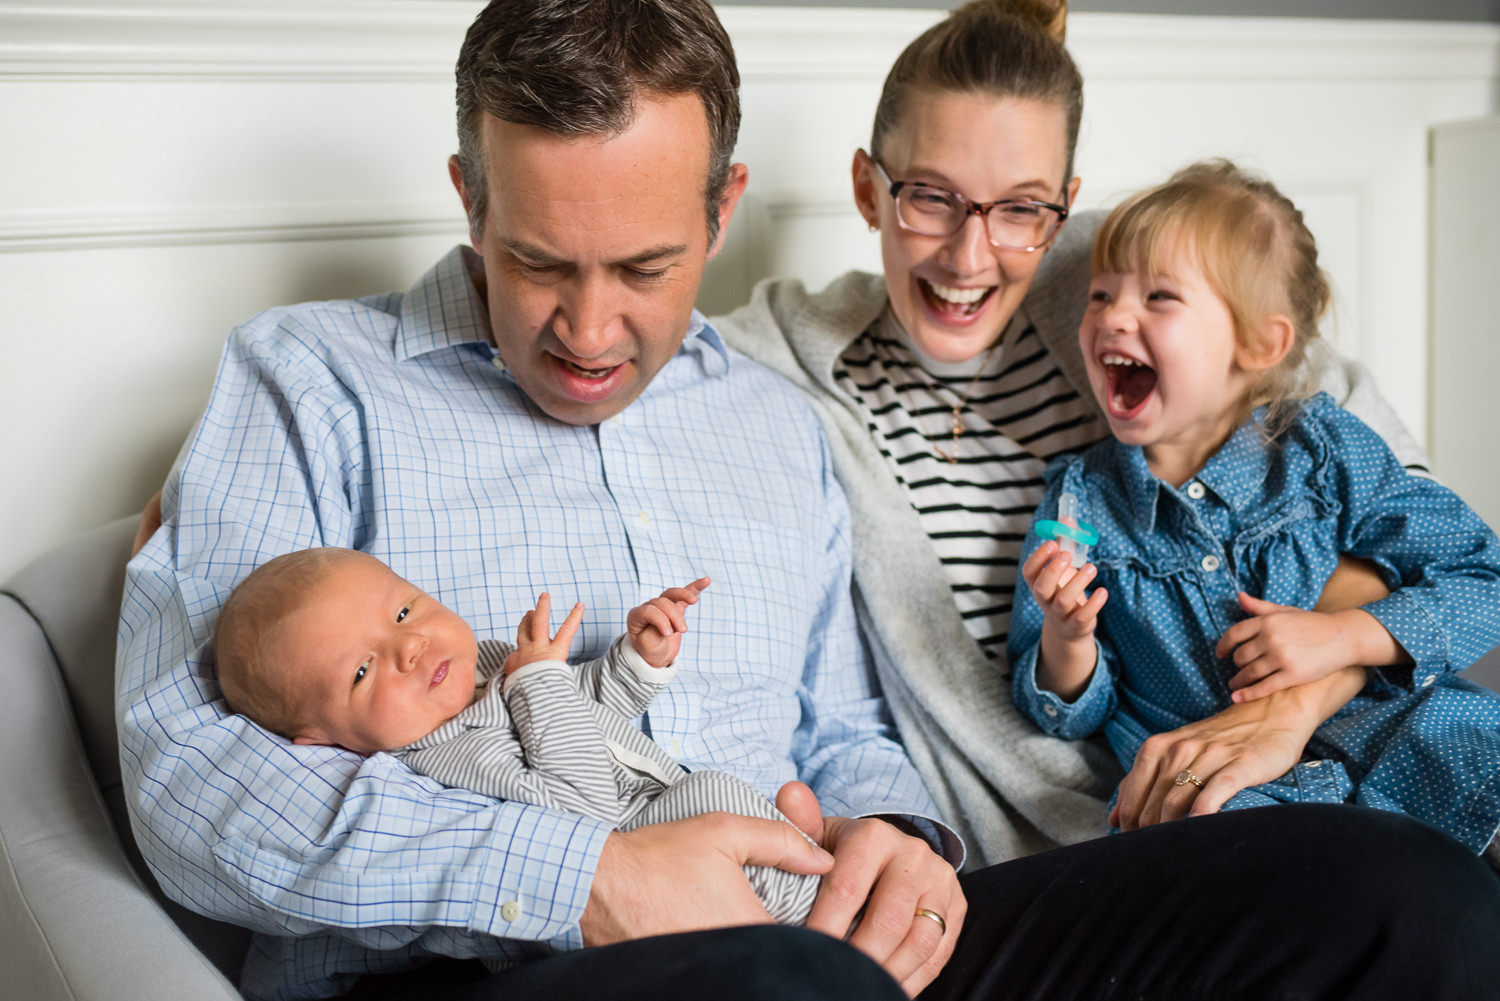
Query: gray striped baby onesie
(562, 736)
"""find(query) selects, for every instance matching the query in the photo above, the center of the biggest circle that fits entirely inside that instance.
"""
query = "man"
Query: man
(552, 415)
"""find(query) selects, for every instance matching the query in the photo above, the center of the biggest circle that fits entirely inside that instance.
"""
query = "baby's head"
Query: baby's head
(1244, 243)
(330, 646)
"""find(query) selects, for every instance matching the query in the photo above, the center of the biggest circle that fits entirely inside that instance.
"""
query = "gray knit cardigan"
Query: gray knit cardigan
(1008, 789)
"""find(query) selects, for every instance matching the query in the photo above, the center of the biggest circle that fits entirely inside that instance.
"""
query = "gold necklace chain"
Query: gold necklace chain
(963, 401)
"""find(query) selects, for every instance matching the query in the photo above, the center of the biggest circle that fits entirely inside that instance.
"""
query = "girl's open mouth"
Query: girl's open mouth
(948, 300)
(1128, 384)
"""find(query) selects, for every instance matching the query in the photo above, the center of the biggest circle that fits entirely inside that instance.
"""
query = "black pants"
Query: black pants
(1284, 902)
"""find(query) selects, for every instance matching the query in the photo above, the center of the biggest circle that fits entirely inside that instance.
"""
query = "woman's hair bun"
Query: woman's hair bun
(1050, 15)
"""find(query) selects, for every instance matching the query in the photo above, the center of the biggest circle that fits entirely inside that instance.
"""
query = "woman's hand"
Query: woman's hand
(1248, 743)
(1245, 745)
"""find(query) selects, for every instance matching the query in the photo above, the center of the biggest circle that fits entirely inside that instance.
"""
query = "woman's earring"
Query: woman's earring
(874, 228)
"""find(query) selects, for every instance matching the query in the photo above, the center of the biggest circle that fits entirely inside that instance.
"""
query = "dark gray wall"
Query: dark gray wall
(1427, 10)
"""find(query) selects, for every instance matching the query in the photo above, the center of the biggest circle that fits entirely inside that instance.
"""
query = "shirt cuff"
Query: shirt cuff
(1407, 618)
(1070, 720)
(525, 671)
(939, 836)
(628, 657)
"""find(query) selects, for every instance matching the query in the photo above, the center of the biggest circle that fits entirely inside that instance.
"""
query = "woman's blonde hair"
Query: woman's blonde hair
(1254, 249)
(1001, 48)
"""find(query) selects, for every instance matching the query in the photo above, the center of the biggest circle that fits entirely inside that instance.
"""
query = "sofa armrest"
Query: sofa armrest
(75, 921)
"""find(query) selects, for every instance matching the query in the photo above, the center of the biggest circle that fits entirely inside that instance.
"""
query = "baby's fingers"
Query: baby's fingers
(566, 631)
(688, 594)
(537, 623)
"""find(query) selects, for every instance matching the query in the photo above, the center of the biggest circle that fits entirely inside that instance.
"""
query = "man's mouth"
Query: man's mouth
(1128, 384)
(950, 300)
(587, 373)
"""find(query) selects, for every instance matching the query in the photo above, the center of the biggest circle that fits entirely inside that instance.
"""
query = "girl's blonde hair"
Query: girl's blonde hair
(1254, 249)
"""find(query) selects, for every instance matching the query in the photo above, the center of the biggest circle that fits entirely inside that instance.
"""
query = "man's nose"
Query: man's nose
(585, 320)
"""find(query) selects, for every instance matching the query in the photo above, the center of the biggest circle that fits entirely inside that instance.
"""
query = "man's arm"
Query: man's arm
(245, 827)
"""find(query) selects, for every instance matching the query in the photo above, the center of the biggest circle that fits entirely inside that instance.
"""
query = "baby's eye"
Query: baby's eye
(361, 671)
(1098, 295)
(401, 615)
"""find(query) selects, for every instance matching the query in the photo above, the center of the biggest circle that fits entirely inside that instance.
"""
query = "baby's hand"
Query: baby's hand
(656, 627)
(1059, 589)
(533, 642)
(1282, 646)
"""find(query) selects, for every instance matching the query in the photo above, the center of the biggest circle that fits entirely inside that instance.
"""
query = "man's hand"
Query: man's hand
(888, 875)
(150, 522)
(656, 627)
(689, 875)
(1282, 646)
(534, 639)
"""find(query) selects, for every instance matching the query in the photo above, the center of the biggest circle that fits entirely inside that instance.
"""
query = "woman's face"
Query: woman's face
(955, 294)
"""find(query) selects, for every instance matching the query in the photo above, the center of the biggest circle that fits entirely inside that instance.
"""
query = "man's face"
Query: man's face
(593, 250)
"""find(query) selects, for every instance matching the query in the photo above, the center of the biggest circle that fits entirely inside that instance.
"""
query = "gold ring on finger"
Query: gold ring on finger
(923, 912)
(1185, 776)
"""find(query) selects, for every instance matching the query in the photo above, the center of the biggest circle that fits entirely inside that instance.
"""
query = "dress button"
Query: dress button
(1210, 563)
(1314, 764)
(1428, 680)
(1196, 490)
(510, 910)
(1050, 710)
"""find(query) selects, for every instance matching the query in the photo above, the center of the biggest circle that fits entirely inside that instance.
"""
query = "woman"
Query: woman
(946, 384)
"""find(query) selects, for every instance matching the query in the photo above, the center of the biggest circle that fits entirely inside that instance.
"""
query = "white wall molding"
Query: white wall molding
(22, 232)
(418, 39)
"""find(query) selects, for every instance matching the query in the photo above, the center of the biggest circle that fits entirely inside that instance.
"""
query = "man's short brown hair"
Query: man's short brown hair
(577, 68)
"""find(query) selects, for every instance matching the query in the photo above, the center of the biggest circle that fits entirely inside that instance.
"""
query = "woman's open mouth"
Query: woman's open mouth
(1128, 385)
(954, 302)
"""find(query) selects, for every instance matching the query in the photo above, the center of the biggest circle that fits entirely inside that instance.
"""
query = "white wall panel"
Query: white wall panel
(171, 166)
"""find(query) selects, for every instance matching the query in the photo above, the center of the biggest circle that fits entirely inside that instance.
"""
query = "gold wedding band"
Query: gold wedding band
(923, 912)
(1185, 776)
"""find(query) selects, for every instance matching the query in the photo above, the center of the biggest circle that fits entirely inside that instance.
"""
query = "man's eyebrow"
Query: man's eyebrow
(537, 255)
(655, 254)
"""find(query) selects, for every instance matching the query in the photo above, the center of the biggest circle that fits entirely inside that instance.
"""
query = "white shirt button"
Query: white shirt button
(643, 518)
(510, 910)
(1196, 490)
(676, 747)
(1050, 710)
(1210, 563)
(615, 419)
(498, 362)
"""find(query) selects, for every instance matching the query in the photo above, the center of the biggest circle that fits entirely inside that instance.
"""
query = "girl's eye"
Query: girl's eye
(1160, 295)
(361, 671)
(401, 615)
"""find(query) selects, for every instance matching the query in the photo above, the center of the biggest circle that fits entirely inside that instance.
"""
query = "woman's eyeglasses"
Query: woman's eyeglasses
(1009, 223)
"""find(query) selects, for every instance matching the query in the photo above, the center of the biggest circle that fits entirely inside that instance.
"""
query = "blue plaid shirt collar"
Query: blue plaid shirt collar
(465, 318)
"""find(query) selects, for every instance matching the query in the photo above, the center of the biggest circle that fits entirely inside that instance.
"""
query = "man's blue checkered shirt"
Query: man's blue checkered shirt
(389, 424)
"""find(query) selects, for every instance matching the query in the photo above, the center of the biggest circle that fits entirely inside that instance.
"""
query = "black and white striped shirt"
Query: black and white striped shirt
(1018, 411)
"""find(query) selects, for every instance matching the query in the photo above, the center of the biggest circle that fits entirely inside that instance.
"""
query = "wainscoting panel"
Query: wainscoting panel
(171, 166)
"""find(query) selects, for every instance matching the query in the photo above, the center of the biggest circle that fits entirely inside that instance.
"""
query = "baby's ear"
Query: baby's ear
(1268, 345)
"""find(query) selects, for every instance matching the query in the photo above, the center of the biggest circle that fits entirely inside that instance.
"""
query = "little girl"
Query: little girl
(1222, 504)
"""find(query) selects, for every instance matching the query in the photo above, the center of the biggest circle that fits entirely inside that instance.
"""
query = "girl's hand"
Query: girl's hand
(1282, 646)
(1059, 589)
(533, 639)
(656, 627)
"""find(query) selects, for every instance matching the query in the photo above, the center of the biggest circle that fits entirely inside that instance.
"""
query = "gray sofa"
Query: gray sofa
(80, 918)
